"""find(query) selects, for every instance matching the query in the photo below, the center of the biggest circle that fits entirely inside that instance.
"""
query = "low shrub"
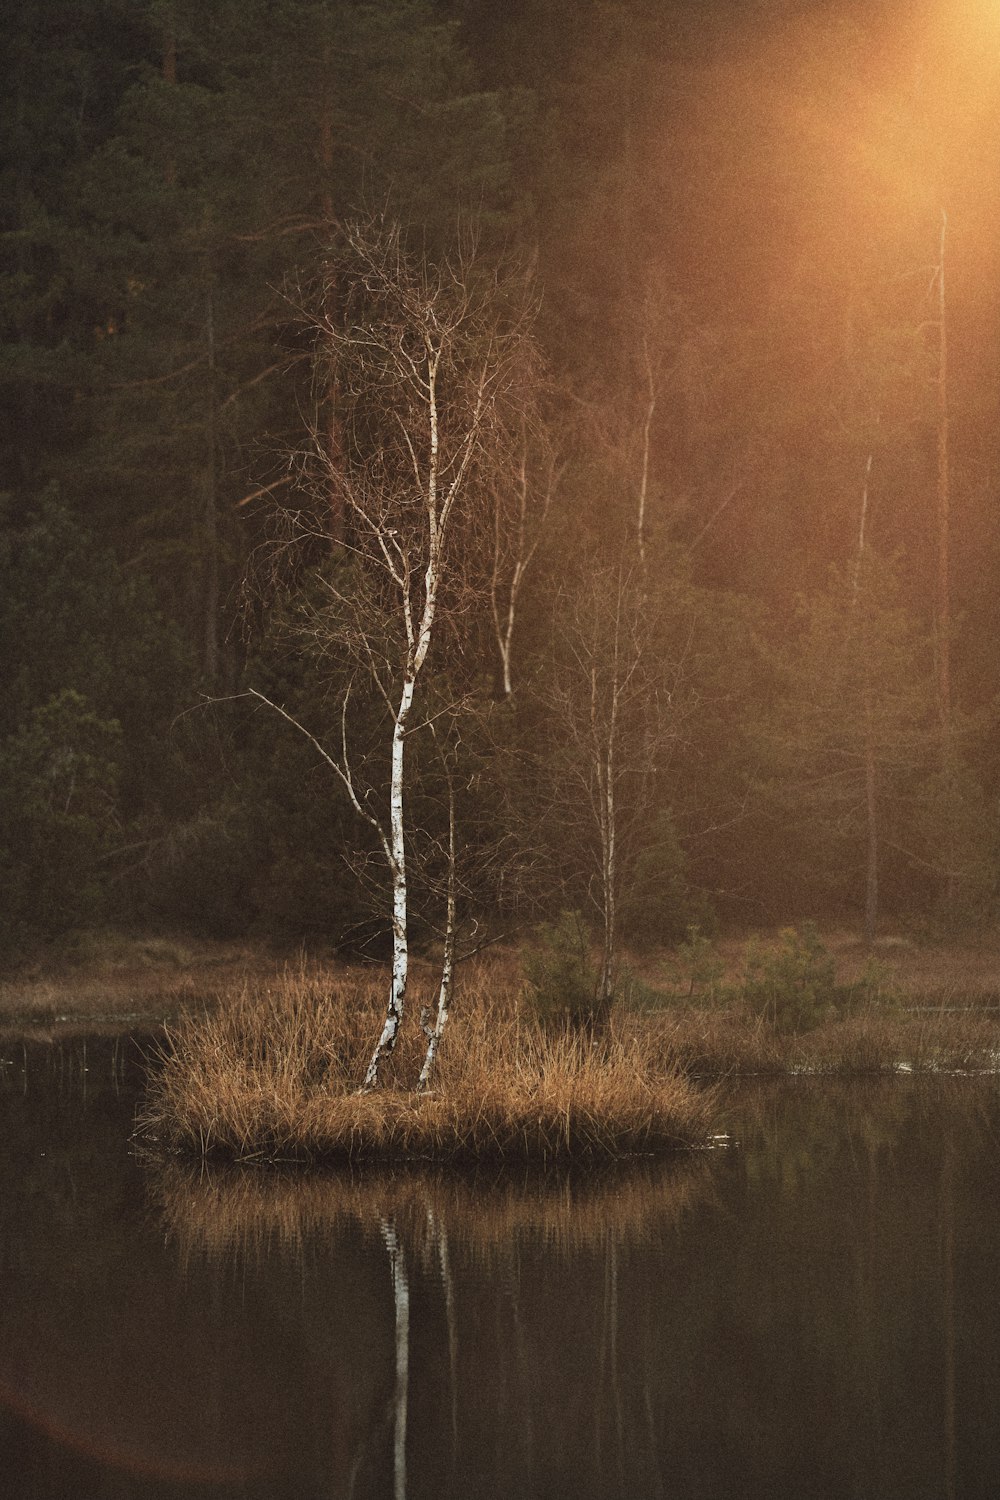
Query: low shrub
(636, 993)
(701, 963)
(562, 979)
(791, 987)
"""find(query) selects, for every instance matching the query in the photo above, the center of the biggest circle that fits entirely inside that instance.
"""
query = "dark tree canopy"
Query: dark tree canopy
(764, 243)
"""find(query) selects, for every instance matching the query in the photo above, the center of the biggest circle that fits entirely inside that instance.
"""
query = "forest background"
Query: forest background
(750, 534)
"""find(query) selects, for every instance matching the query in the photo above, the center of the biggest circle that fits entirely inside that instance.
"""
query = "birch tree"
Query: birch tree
(433, 370)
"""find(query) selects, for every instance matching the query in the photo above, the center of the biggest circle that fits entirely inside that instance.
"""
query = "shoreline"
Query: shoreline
(262, 1056)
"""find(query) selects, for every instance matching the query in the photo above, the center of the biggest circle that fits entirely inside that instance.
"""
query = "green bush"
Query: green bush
(701, 963)
(791, 987)
(636, 993)
(562, 979)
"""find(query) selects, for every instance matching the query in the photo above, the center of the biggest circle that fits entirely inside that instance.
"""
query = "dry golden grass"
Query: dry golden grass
(728, 1041)
(967, 970)
(272, 1073)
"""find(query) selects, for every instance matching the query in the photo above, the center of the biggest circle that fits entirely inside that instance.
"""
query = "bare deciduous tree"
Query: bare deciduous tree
(609, 705)
(433, 371)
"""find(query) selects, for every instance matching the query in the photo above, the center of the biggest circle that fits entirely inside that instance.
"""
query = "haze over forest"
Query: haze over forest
(751, 509)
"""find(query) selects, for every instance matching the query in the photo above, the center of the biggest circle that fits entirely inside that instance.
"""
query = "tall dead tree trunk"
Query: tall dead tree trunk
(519, 513)
(942, 633)
(647, 426)
(871, 816)
(605, 741)
(943, 610)
(868, 711)
(601, 748)
(210, 559)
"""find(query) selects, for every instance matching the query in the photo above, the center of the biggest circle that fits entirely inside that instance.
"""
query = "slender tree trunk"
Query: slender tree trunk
(335, 459)
(605, 748)
(397, 854)
(644, 471)
(414, 326)
(610, 880)
(504, 619)
(862, 527)
(434, 1033)
(505, 614)
(943, 612)
(169, 49)
(871, 815)
(868, 711)
(211, 518)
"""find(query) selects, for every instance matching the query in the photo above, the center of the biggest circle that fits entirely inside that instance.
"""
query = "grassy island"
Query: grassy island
(272, 1073)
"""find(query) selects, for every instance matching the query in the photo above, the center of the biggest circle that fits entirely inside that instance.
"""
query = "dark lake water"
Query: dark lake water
(812, 1312)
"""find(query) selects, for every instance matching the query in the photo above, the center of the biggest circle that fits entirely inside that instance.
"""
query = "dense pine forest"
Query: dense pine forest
(712, 290)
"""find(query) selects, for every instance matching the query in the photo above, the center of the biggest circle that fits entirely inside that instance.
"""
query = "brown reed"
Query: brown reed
(272, 1074)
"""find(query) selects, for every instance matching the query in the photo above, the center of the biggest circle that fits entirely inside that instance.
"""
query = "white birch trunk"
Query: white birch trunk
(434, 1033)
(418, 642)
(397, 865)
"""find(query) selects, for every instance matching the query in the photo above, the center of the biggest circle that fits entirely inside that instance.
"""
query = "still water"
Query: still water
(811, 1312)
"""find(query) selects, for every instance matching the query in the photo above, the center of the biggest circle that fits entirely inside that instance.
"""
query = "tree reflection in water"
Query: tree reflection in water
(810, 1312)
